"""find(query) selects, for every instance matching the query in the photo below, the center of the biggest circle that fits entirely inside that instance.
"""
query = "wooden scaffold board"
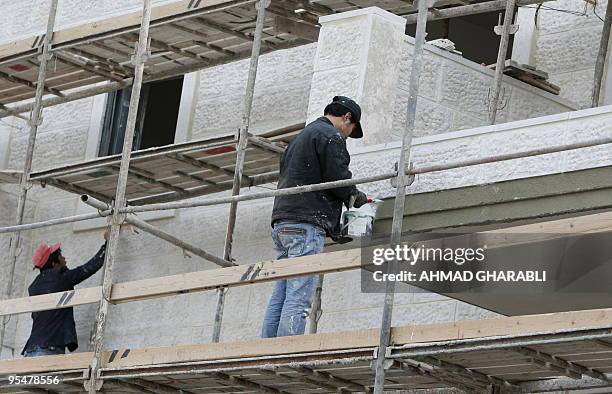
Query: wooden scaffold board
(469, 355)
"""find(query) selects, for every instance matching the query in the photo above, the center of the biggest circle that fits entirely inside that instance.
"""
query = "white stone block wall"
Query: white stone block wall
(553, 130)
(567, 46)
(26, 18)
(453, 94)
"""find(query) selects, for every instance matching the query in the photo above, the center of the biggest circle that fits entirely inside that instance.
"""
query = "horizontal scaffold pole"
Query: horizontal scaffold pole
(315, 187)
(144, 226)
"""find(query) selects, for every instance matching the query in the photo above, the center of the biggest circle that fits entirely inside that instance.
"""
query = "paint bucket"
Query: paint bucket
(357, 222)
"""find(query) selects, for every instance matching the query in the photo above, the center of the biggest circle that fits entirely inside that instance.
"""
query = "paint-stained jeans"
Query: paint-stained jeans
(291, 299)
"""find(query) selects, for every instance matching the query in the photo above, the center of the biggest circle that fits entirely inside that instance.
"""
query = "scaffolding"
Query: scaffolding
(190, 35)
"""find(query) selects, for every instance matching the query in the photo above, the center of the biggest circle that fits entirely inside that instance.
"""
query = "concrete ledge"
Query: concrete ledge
(391, 17)
(541, 120)
(503, 204)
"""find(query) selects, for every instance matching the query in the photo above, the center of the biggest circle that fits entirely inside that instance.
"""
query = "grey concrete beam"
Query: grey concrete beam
(514, 202)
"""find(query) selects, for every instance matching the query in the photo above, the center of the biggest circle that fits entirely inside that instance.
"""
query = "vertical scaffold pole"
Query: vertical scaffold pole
(34, 121)
(139, 59)
(315, 311)
(400, 195)
(601, 56)
(501, 61)
(240, 154)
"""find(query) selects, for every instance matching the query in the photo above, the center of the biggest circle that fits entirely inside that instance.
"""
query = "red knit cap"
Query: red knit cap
(42, 253)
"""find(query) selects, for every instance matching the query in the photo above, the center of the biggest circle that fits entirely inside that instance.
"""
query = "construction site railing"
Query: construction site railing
(311, 188)
(197, 281)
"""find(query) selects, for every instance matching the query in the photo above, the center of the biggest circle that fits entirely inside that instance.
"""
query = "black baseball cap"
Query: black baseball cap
(355, 111)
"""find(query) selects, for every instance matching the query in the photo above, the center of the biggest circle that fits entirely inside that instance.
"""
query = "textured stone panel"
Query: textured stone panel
(272, 108)
(334, 40)
(224, 80)
(462, 121)
(525, 105)
(275, 69)
(279, 107)
(568, 51)
(467, 311)
(587, 158)
(576, 86)
(52, 148)
(350, 320)
(284, 67)
(425, 313)
(50, 209)
(467, 91)
(377, 93)
(21, 18)
(240, 332)
(444, 152)
(142, 245)
(552, 21)
(429, 83)
(327, 84)
(258, 301)
(431, 118)
(374, 164)
(517, 140)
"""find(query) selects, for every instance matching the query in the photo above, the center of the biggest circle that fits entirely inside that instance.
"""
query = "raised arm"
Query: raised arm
(77, 275)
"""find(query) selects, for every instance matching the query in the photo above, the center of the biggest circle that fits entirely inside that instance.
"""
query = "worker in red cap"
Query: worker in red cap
(53, 331)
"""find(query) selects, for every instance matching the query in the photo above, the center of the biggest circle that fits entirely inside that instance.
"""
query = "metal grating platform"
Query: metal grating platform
(184, 36)
(175, 172)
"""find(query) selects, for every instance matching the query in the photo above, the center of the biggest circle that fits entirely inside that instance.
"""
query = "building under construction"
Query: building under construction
(166, 120)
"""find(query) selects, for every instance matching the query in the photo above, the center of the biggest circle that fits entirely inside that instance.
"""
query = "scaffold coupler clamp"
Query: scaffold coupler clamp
(408, 177)
(94, 379)
(500, 26)
(388, 362)
(266, 3)
(136, 59)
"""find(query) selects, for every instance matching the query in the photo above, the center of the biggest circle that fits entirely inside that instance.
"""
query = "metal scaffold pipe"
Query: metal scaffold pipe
(34, 122)
(316, 187)
(495, 92)
(139, 59)
(144, 226)
(601, 56)
(207, 202)
(240, 156)
(380, 364)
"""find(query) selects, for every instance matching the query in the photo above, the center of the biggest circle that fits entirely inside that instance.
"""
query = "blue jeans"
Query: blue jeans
(37, 351)
(291, 299)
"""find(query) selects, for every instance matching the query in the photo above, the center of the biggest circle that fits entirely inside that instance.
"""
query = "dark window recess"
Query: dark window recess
(472, 34)
(156, 121)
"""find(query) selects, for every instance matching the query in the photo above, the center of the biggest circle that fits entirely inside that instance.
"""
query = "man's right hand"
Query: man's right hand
(107, 234)
(360, 199)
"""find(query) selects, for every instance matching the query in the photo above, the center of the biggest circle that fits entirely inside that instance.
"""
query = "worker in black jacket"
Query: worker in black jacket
(301, 222)
(53, 331)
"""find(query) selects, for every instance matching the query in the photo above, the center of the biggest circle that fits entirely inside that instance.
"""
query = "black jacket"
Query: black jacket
(318, 154)
(56, 327)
